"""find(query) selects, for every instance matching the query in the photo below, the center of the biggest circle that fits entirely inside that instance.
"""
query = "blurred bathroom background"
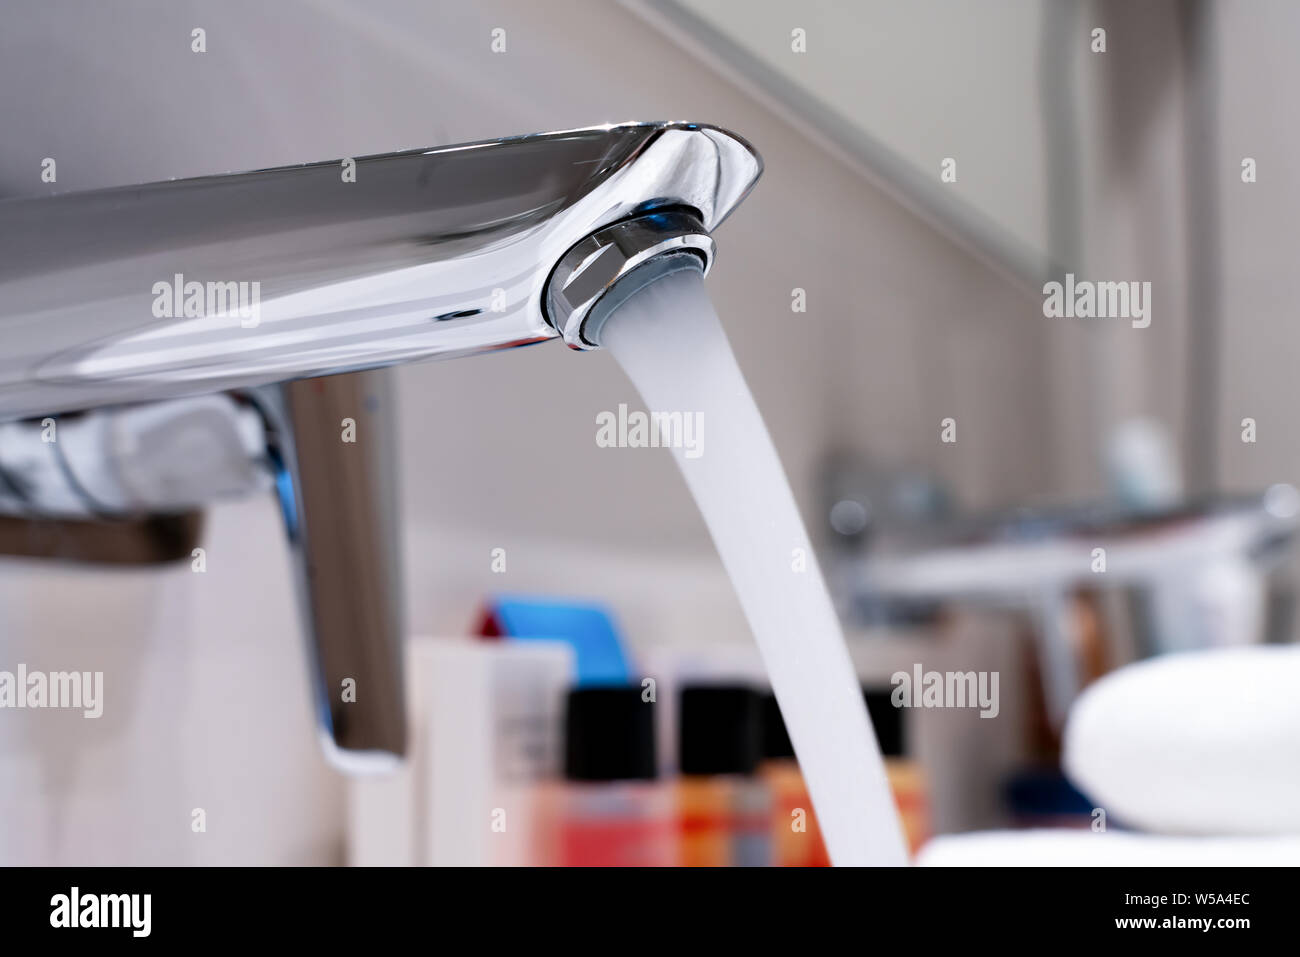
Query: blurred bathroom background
(868, 297)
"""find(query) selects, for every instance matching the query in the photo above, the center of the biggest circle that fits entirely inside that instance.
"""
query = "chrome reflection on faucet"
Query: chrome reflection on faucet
(431, 252)
(148, 296)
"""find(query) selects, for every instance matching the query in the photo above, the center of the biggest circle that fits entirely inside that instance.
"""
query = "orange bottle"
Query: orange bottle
(724, 808)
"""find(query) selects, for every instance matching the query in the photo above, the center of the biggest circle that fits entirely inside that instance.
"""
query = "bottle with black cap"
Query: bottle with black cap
(612, 812)
(724, 808)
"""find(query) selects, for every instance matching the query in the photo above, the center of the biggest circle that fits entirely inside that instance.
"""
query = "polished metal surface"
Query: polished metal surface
(154, 458)
(334, 438)
(595, 275)
(203, 285)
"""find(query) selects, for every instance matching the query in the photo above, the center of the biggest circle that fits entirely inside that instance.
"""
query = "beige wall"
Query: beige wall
(1261, 243)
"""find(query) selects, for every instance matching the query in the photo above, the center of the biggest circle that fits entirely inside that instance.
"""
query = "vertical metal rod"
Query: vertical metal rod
(338, 486)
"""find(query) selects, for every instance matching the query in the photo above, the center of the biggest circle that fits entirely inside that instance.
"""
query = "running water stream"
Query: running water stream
(670, 343)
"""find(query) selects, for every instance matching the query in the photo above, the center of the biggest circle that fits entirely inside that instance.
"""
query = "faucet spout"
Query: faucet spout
(203, 285)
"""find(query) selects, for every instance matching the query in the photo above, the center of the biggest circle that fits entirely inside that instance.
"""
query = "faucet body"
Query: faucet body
(125, 295)
(147, 323)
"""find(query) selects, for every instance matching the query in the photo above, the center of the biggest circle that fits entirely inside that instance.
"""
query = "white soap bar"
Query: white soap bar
(1194, 743)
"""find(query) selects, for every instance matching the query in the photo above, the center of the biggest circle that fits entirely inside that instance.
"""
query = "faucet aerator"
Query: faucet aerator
(607, 268)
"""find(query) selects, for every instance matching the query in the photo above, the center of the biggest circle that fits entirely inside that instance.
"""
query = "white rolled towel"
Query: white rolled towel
(1204, 742)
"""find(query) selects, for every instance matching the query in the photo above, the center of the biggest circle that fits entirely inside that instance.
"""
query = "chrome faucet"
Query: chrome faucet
(168, 344)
